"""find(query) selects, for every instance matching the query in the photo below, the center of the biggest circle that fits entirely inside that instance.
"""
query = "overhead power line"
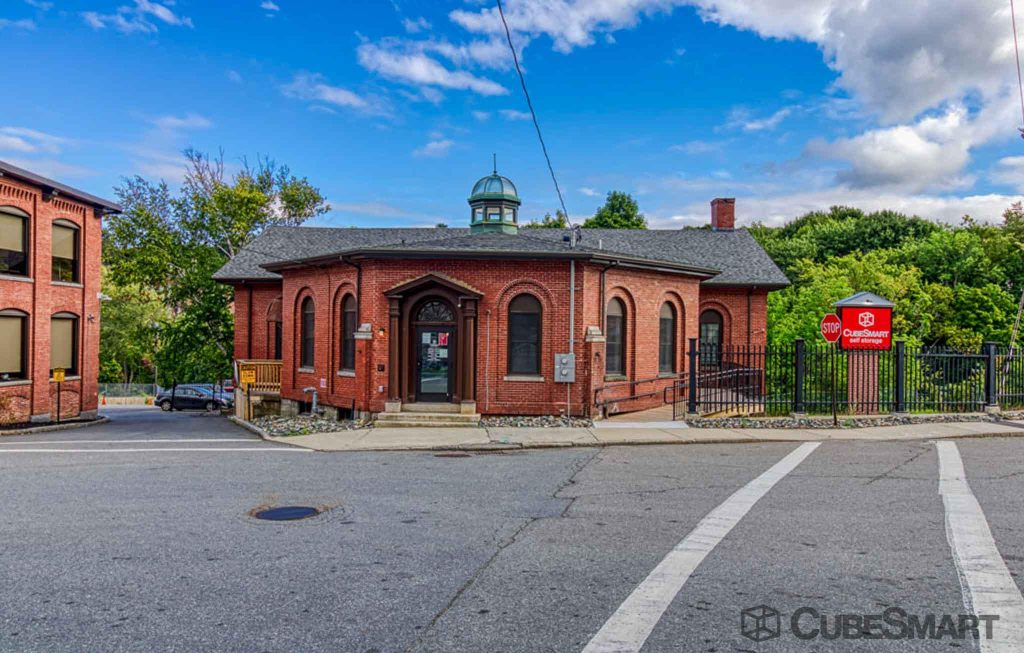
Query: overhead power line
(533, 114)
(1016, 51)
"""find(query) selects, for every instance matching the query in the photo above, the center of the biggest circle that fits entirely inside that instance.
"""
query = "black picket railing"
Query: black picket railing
(819, 379)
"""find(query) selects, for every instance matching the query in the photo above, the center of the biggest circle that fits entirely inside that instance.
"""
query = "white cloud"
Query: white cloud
(416, 26)
(176, 123)
(17, 24)
(416, 68)
(22, 139)
(267, 5)
(589, 192)
(434, 148)
(741, 118)
(53, 168)
(778, 209)
(697, 147)
(931, 153)
(482, 116)
(234, 76)
(137, 18)
(312, 87)
(512, 114)
(40, 5)
(1009, 171)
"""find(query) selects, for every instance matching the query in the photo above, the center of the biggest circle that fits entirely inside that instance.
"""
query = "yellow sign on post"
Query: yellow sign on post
(58, 374)
(246, 375)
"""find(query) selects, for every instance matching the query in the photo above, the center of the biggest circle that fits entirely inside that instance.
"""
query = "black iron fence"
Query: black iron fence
(821, 379)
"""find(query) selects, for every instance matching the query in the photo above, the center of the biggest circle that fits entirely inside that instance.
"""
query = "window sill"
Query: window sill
(16, 277)
(307, 370)
(525, 378)
(667, 375)
(347, 373)
(68, 378)
(616, 377)
(67, 284)
(15, 382)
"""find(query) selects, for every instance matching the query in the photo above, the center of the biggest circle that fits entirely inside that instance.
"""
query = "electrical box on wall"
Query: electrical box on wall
(565, 368)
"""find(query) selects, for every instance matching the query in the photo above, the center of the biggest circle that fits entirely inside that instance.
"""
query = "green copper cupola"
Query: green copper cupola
(494, 205)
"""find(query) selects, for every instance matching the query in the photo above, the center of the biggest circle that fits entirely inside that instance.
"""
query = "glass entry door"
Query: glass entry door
(435, 363)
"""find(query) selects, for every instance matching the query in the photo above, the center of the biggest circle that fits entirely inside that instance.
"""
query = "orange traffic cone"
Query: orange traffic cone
(104, 400)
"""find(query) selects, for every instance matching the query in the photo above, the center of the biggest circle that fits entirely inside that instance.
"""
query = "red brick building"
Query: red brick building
(386, 320)
(50, 241)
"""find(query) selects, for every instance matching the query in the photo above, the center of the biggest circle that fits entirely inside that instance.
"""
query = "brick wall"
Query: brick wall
(40, 298)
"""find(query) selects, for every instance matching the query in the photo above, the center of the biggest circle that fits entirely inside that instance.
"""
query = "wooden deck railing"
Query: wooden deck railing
(267, 376)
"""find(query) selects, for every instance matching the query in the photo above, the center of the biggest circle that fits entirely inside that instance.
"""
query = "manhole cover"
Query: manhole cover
(287, 513)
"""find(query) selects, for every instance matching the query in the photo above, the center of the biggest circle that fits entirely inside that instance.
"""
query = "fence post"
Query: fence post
(991, 392)
(691, 405)
(900, 405)
(799, 349)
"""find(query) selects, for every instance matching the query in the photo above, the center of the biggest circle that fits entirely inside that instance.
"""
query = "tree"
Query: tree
(620, 211)
(174, 244)
(557, 222)
(128, 332)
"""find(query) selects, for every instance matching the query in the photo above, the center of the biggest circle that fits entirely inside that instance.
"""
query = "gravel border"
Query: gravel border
(535, 422)
(282, 427)
(845, 422)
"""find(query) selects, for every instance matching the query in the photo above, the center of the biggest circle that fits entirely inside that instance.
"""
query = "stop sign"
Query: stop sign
(831, 327)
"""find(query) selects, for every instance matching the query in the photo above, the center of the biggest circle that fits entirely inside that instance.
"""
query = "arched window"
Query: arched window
(13, 345)
(524, 336)
(710, 338)
(64, 343)
(435, 311)
(615, 337)
(13, 241)
(64, 263)
(274, 329)
(667, 339)
(348, 333)
(308, 334)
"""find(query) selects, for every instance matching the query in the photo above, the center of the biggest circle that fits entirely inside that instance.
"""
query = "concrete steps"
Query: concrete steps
(422, 419)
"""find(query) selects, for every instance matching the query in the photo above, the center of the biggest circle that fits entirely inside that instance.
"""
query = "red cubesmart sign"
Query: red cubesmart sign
(831, 327)
(866, 327)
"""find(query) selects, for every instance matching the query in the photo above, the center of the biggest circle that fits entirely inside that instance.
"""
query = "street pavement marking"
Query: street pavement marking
(38, 442)
(160, 449)
(631, 625)
(987, 585)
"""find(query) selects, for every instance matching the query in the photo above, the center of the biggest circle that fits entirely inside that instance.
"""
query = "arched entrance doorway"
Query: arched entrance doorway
(432, 342)
(435, 352)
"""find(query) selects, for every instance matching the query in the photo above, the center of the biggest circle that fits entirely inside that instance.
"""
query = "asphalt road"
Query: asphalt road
(137, 536)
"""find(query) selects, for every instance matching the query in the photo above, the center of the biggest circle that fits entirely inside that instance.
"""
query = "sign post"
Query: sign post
(58, 376)
(831, 331)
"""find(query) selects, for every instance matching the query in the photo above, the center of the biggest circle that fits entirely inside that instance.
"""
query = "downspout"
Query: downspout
(248, 346)
(572, 331)
(602, 290)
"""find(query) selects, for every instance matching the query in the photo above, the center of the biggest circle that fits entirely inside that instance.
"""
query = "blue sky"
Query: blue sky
(393, 108)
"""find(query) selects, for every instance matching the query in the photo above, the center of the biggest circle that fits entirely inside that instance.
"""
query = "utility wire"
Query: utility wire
(1016, 51)
(533, 114)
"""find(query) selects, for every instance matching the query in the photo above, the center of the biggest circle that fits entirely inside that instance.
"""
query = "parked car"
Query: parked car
(190, 398)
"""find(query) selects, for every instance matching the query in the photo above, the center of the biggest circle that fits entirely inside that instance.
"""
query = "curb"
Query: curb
(827, 435)
(66, 426)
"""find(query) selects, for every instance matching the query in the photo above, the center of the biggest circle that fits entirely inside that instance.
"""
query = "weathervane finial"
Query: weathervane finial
(495, 155)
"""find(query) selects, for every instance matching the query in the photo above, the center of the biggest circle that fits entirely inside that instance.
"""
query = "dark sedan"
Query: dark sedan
(190, 398)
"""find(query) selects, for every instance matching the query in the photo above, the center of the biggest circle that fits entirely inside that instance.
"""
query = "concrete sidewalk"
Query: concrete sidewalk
(408, 439)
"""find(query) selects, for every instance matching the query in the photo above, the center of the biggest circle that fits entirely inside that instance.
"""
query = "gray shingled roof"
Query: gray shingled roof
(735, 254)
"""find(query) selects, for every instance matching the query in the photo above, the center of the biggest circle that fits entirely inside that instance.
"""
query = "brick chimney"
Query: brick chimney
(723, 214)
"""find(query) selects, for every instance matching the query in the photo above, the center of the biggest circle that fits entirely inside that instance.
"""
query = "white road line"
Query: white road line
(160, 449)
(631, 625)
(987, 585)
(38, 442)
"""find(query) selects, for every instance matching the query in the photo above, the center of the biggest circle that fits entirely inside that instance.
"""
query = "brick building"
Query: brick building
(471, 319)
(50, 241)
